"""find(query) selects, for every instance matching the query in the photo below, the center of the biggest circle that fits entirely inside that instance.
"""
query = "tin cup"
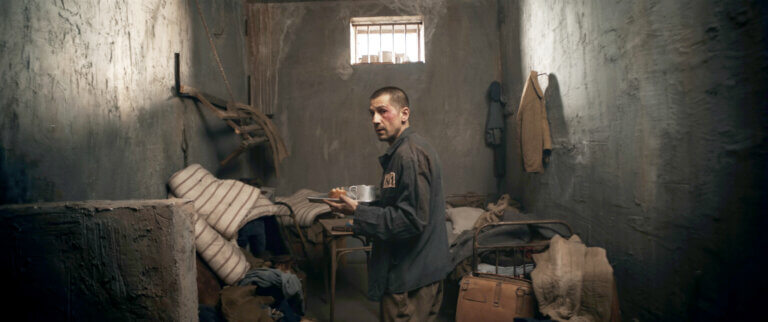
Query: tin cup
(362, 192)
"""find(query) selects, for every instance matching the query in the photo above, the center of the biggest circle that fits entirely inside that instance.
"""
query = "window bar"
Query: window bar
(393, 44)
(380, 54)
(418, 41)
(368, 43)
(405, 42)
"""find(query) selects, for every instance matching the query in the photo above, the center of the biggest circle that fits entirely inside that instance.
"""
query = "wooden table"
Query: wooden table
(334, 253)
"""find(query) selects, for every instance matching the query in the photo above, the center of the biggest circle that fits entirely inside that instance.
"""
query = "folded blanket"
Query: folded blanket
(461, 248)
(224, 204)
(305, 211)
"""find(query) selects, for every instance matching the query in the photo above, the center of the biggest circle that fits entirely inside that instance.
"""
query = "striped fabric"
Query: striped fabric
(264, 207)
(224, 257)
(305, 211)
(224, 204)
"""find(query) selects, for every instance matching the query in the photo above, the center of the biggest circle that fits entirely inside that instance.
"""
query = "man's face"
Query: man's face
(388, 121)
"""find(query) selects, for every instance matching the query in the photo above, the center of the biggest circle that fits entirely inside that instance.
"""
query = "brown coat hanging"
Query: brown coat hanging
(533, 126)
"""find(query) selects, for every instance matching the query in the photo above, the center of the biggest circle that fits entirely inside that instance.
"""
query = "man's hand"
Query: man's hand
(346, 207)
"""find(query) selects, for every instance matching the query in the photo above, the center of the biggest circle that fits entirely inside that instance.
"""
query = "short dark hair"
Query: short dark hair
(397, 96)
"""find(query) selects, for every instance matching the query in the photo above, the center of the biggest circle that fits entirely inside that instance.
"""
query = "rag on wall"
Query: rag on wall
(224, 204)
(495, 128)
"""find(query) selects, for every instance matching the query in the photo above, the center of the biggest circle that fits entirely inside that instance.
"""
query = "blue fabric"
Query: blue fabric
(288, 283)
(253, 234)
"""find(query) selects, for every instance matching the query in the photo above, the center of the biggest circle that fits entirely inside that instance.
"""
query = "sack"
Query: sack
(490, 297)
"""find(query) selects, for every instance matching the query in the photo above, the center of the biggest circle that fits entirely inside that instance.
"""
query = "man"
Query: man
(407, 224)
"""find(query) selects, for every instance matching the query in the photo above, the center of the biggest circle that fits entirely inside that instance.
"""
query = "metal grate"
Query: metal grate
(387, 40)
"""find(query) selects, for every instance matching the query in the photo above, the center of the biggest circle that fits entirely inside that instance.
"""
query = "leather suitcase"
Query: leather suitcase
(492, 297)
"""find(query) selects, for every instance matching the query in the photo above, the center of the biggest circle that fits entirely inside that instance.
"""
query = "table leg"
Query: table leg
(333, 276)
(325, 266)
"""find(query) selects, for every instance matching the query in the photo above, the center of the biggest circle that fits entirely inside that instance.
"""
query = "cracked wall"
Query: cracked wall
(87, 109)
(658, 117)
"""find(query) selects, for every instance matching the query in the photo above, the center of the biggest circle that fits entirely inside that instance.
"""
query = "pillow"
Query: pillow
(463, 218)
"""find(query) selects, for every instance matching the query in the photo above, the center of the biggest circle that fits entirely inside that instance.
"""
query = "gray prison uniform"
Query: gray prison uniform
(407, 224)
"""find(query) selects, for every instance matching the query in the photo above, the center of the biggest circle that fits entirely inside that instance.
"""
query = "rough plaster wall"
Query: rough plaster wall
(323, 101)
(658, 119)
(99, 261)
(86, 103)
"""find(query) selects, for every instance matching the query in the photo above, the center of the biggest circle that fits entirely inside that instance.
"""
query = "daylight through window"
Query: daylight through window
(386, 40)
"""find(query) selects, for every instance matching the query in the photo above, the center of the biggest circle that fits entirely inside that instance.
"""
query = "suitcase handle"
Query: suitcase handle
(521, 294)
(476, 245)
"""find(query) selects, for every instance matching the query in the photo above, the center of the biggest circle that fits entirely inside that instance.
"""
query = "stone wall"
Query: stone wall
(87, 107)
(659, 123)
(323, 101)
(99, 261)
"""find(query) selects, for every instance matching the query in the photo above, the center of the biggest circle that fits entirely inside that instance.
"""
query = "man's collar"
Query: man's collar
(398, 141)
(393, 147)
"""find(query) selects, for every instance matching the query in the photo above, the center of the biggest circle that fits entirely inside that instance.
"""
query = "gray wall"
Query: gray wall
(658, 119)
(323, 101)
(86, 103)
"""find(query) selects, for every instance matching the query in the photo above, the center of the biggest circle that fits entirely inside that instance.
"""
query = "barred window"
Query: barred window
(386, 40)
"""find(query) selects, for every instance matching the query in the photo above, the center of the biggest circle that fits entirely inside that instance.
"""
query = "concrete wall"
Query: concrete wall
(323, 101)
(658, 116)
(98, 261)
(87, 109)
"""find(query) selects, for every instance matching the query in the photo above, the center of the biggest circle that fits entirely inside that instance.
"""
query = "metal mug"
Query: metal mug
(362, 192)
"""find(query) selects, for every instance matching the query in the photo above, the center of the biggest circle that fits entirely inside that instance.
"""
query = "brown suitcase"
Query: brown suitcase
(489, 297)
(492, 297)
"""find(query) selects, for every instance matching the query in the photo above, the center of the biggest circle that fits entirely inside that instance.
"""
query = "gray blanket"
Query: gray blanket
(461, 247)
(269, 277)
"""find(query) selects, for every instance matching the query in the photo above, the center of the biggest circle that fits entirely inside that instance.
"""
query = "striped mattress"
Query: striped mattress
(224, 204)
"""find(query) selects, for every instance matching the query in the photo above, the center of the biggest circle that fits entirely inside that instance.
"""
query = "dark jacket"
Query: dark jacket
(407, 224)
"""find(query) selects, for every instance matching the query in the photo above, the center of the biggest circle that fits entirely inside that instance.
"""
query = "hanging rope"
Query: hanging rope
(215, 53)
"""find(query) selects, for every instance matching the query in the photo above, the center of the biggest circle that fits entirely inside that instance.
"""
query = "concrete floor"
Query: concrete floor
(351, 301)
(352, 304)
